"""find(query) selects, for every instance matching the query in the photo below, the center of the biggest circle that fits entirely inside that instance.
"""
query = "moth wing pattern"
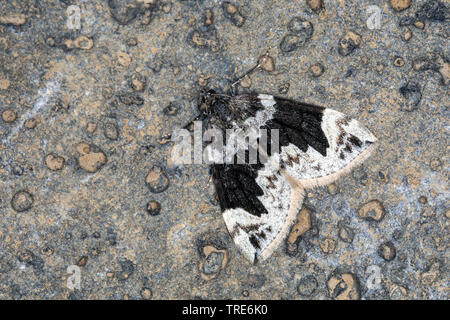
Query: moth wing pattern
(317, 146)
(259, 233)
(348, 143)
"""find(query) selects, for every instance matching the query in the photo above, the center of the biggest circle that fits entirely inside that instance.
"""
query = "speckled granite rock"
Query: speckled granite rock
(109, 84)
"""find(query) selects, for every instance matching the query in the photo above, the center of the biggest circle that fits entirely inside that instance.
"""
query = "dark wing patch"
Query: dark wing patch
(300, 124)
(236, 187)
(254, 241)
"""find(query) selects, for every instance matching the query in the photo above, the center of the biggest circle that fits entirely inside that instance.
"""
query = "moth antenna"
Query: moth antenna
(245, 74)
(257, 66)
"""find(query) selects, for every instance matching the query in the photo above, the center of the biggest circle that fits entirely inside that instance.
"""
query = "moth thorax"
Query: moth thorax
(221, 110)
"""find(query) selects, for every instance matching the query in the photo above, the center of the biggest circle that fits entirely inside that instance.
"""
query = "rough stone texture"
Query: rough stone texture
(58, 81)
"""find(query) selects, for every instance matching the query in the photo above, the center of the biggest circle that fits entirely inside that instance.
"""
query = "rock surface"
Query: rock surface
(129, 60)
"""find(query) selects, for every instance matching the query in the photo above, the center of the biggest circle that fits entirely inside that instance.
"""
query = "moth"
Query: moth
(260, 200)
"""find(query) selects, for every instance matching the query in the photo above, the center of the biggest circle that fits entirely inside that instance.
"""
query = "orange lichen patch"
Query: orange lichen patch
(153, 176)
(397, 292)
(231, 8)
(445, 73)
(372, 210)
(91, 127)
(246, 82)
(209, 17)
(128, 133)
(350, 41)
(419, 24)
(54, 162)
(3, 44)
(16, 19)
(204, 207)
(328, 245)
(9, 116)
(343, 287)
(314, 4)
(267, 63)
(123, 59)
(137, 84)
(198, 39)
(4, 84)
(207, 251)
(427, 278)
(83, 148)
(30, 123)
(82, 42)
(400, 5)
(302, 225)
(156, 180)
(92, 162)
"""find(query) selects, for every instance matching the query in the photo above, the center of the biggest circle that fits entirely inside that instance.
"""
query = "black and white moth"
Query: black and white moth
(260, 201)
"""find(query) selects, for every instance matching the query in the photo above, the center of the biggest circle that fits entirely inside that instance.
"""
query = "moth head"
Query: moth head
(215, 105)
